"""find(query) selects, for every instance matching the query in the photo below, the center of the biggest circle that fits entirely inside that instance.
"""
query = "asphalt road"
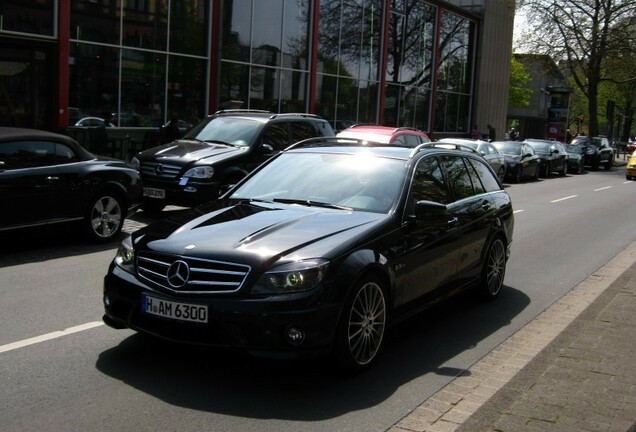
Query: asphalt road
(62, 370)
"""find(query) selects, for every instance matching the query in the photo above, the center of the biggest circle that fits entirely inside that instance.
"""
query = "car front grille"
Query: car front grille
(191, 275)
(156, 169)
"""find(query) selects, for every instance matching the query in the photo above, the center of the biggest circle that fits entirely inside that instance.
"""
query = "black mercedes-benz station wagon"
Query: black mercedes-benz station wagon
(317, 251)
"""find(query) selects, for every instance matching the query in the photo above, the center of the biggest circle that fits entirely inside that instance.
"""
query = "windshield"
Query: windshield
(509, 148)
(359, 182)
(541, 147)
(238, 131)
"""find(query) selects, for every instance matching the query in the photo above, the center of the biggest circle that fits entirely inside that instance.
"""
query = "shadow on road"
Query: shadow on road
(229, 383)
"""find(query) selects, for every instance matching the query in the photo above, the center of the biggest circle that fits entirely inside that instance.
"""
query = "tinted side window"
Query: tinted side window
(64, 154)
(27, 154)
(301, 131)
(400, 140)
(276, 135)
(413, 140)
(458, 176)
(428, 182)
(486, 177)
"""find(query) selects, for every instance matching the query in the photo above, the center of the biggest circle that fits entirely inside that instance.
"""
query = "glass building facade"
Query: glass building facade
(394, 62)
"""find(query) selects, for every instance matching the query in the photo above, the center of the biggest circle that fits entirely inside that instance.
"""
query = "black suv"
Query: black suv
(598, 151)
(219, 151)
(321, 248)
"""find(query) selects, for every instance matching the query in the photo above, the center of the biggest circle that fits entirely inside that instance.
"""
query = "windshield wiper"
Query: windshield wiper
(311, 203)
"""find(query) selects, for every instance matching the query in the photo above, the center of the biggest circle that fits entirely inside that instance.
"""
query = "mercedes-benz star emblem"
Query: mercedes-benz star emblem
(159, 170)
(178, 274)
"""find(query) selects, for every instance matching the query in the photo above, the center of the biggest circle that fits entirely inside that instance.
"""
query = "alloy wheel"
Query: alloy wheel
(366, 325)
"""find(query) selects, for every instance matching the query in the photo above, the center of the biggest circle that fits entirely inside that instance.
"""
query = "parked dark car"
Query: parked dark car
(319, 249)
(217, 152)
(488, 151)
(46, 179)
(553, 156)
(521, 160)
(576, 158)
(599, 153)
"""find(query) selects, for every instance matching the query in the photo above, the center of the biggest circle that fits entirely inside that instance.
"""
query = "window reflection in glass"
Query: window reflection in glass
(143, 77)
(94, 81)
(272, 34)
(188, 26)
(146, 24)
(266, 38)
(348, 51)
(95, 21)
(186, 79)
(28, 16)
(454, 74)
(409, 64)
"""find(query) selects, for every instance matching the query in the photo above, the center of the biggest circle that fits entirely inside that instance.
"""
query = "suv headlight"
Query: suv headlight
(293, 277)
(125, 257)
(200, 172)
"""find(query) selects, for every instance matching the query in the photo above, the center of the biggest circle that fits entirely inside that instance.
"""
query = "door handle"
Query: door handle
(453, 222)
(485, 205)
(52, 178)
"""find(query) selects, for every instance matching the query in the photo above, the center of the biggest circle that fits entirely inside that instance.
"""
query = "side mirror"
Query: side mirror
(430, 210)
(267, 148)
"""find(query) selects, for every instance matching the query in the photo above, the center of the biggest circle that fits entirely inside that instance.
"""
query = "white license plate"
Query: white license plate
(154, 193)
(174, 310)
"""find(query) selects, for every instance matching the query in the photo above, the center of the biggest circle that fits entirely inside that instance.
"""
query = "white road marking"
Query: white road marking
(603, 188)
(49, 336)
(564, 198)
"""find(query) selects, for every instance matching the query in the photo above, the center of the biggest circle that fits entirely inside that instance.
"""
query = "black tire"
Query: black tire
(153, 206)
(517, 175)
(609, 163)
(362, 325)
(564, 171)
(493, 269)
(105, 217)
(501, 174)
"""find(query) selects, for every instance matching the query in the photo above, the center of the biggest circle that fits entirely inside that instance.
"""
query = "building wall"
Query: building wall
(493, 61)
(436, 65)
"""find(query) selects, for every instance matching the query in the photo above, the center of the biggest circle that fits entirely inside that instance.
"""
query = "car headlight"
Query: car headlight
(125, 257)
(293, 277)
(135, 163)
(200, 172)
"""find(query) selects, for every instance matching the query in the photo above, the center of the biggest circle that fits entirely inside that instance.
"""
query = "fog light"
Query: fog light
(294, 336)
(189, 189)
(106, 301)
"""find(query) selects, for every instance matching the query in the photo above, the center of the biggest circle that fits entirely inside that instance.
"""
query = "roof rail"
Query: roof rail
(308, 115)
(445, 145)
(240, 110)
(334, 141)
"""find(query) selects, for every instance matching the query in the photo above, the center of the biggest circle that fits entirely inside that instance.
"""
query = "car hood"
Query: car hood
(259, 233)
(189, 151)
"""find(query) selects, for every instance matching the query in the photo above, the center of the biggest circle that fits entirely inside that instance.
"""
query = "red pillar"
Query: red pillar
(63, 35)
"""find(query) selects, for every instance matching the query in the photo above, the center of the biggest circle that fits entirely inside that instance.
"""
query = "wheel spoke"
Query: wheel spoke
(366, 323)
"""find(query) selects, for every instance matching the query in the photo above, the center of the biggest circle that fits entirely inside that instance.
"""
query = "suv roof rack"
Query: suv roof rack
(307, 115)
(241, 110)
(335, 141)
(446, 145)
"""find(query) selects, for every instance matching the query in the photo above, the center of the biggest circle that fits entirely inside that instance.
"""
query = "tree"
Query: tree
(519, 95)
(585, 35)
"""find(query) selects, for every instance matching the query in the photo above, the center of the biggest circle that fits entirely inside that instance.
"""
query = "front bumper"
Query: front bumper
(260, 326)
(187, 194)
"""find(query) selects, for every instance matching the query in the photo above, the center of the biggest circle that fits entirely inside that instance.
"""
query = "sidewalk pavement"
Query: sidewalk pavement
(572, 369)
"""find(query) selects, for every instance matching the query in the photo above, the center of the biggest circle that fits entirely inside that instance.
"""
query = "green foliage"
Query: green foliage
(520, 93)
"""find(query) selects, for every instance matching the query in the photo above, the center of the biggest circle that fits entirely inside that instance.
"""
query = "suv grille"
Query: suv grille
(155, 169)
(191, 275)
